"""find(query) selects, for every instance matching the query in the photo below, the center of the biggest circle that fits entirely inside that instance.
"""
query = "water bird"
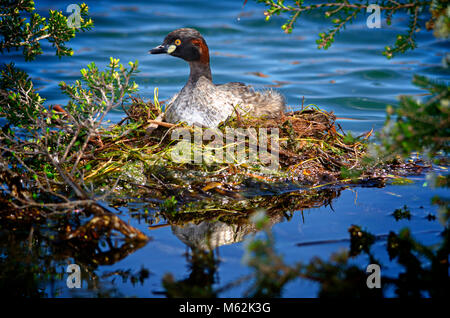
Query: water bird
(203, 103)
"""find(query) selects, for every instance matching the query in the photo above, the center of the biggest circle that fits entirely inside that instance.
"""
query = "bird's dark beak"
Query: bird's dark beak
(159, 49)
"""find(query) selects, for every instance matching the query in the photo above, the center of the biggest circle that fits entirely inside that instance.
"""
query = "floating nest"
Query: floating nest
(312, 152)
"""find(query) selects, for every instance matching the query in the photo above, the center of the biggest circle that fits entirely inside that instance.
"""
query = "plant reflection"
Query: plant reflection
(33, 262)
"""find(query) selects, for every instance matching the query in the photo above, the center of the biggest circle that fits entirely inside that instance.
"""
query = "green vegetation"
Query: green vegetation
(343, 12)
(422, 126)
(22, 28)
(40, 172)
(58, 163)
(402, 213)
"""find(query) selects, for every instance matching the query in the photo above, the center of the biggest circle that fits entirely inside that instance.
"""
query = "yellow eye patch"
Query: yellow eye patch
(177, 42)
(171, 48)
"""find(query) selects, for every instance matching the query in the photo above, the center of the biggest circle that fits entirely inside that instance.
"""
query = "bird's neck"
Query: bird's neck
(199, 69)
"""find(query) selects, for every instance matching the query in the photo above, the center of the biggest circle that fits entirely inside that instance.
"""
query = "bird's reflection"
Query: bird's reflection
(209, 235)
(204, 238)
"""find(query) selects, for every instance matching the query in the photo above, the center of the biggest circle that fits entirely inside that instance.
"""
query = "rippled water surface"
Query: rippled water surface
(351, 78)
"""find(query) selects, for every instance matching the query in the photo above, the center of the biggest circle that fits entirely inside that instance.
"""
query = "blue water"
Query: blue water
(352, 79)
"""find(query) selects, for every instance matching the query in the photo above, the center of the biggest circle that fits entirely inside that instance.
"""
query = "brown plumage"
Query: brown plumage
(203, 103)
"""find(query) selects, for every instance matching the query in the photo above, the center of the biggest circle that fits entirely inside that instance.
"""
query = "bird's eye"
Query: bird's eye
(177, 42)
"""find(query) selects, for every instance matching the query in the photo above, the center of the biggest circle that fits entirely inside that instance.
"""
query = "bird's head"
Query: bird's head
(185, 43)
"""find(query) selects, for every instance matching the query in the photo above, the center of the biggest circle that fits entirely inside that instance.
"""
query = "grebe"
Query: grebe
(203, 103)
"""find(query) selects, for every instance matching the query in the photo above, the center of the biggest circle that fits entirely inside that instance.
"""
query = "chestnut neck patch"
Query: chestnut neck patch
(203, 49)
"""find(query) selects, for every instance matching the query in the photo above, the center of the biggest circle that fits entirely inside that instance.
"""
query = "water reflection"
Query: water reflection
(34, 258)
(231, 223)
(202, 265)
(33, 261)
(204, 238)
(210, 235)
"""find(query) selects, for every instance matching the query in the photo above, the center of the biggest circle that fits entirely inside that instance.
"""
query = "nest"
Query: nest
(313, 152)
